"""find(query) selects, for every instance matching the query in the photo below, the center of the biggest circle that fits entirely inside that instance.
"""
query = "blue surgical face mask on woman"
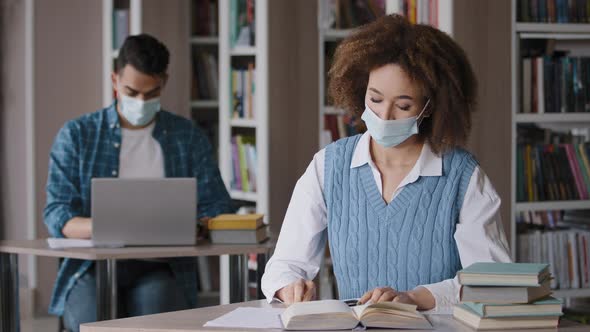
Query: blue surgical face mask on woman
(390, 133)
(139, 112)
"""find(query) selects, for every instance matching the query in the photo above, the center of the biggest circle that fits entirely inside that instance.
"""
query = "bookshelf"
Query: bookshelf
(238, 60)
(533, 107)
(243, 106)
(203, 46)
(335, 123)
(120, 18)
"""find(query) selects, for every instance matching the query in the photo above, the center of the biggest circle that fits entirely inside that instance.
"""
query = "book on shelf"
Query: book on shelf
(555, 84)
(242, 23)
(566, 250)
(503, 274)
(239, 236)
(242, 92)
(204, 21)
(205, 83)
(505, 294)
(348, 14)
(554, 11)
(236, 221)
(469, 317)
(548, 306)
(244, 163)
(420, 11)
(553, 172)
(121, 23)
(340, 126)
(337, 315)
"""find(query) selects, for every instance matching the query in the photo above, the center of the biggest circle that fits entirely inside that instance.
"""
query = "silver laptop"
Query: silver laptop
(133, 212)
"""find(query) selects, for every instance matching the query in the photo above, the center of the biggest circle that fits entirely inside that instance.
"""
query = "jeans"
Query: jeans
(144, 288)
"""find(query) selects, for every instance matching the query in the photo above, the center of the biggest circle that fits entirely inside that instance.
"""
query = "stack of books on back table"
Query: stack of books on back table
(238, 229)
(507, 295)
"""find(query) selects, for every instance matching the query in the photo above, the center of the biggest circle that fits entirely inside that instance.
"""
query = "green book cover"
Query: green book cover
(243, 164)
(233, 21)
(479, 308)
(505, 268)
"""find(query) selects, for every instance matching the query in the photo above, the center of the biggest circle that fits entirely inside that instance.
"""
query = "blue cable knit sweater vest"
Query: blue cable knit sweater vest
(406, 243)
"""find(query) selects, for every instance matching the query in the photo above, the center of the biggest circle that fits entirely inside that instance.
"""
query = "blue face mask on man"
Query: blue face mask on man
(139, 112)
(390, 133)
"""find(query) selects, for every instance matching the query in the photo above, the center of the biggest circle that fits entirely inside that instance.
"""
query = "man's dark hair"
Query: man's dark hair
(145, 53)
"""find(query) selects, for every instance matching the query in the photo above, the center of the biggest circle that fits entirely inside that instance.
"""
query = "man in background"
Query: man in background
(132, 138)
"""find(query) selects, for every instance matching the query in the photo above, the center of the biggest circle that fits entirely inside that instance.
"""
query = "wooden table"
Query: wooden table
(193, 321)
(233, 270)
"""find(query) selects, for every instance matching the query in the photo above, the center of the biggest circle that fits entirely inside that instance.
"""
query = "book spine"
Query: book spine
(529, 174)
(573, 249)
(234, 94)
(242, 90)
(582, 167)
(575, 171)
(253, 166)
(243, 164)
(237, 180)
(567, 174)
(540, 85)
(551, 11)
(526, 85)
(548, 84)
(535, 89)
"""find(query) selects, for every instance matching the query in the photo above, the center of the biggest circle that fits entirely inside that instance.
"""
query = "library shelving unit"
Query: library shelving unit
(204, 75)
(235, 55)
(243, 110)
(574, 40)
(120, 18)
(330, 33)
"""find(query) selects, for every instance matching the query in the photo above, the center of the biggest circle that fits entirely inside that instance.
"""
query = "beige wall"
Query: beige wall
(168, 21)
(68, 83)
(12, 111)
(293, 111)
(482, 28)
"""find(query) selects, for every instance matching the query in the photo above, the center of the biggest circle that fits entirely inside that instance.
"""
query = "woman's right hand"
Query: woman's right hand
(298, 291)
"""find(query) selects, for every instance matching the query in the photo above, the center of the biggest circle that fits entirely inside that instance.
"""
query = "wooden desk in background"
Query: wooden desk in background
(233, 270)
(194, 319)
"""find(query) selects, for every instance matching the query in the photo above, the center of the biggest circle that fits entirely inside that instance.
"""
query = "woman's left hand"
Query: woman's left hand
(387, 294)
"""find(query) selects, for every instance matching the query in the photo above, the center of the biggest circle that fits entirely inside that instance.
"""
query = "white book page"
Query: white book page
(252, 318)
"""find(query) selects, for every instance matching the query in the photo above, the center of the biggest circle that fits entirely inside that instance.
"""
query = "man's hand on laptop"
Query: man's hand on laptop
(78, 228)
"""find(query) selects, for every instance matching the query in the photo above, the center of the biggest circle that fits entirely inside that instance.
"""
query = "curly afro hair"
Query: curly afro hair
(436, 63)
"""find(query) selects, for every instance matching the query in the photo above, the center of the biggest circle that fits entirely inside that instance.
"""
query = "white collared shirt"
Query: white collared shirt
(479, 234)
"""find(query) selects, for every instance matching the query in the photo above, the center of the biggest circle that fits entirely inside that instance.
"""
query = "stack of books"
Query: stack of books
(507, 295)
(238, 229)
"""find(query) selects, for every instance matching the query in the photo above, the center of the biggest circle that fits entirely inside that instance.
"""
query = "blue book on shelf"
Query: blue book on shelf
(503, 274)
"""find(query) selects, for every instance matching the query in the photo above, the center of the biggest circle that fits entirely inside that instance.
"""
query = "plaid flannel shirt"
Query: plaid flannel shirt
(88, 147)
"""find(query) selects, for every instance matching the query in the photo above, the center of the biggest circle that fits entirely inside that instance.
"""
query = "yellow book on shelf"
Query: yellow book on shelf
(236, 221)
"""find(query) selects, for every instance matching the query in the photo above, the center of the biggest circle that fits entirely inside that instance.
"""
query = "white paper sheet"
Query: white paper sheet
(252, 318)
(60, 243)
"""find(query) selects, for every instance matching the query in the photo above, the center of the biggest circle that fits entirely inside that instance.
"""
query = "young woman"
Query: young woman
(403, 206)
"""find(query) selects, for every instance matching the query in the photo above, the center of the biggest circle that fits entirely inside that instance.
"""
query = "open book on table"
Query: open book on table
(337, 315)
